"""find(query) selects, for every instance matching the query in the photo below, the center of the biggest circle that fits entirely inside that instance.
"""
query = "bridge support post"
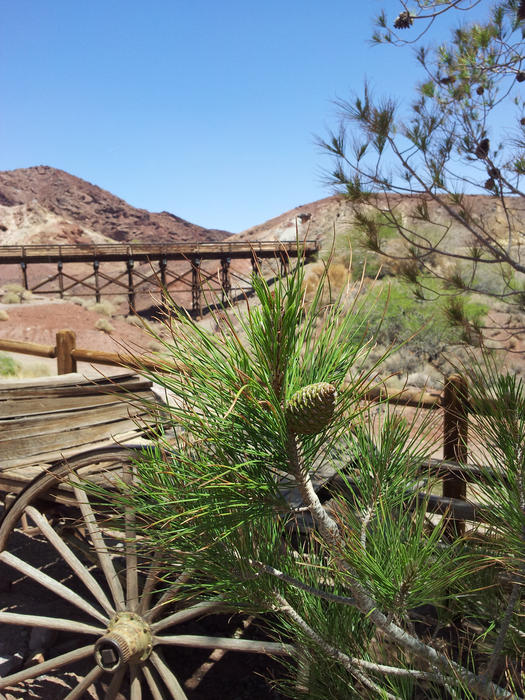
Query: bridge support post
(196, 289)
(225, 279)
(60, 265)
(96, 264)
(285, 263)
(131, 286)
(163, 264)
(23, 266)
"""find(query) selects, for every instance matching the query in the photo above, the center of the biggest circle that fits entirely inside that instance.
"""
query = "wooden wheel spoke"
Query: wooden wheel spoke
(53, 623)
(135, 685)
(185, 615)
(227, 643)
(72, 560)
(132, 579)
(149, 585)
(171, 682)
(154, 689)
(51, 583)
(100, 548)
(39, 669)
(115, 685)
(79, 690)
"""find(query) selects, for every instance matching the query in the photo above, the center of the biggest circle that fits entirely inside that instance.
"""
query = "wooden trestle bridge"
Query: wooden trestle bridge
(192, 274)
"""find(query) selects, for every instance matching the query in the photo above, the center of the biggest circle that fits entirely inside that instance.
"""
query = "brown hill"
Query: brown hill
(44, 205)
(324, 218)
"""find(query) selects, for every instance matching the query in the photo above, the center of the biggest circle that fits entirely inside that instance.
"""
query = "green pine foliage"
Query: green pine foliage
(226, 493)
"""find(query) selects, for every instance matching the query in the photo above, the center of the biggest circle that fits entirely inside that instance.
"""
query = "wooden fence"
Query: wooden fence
(453, 401)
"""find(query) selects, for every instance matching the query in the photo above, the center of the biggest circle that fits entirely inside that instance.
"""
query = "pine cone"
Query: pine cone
(311, 408)
(482, 149)
(520, 77)
(520, 15)
(403, 21)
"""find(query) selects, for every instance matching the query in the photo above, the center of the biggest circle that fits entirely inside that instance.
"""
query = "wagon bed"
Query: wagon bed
(54, 418)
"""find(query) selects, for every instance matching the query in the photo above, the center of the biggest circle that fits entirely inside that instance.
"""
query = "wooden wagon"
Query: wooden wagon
(112, 611)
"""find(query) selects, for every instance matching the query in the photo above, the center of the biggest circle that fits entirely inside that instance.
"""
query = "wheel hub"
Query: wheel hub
(128, 638)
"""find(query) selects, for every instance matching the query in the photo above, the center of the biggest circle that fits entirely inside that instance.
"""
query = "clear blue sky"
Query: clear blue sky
(205, 109)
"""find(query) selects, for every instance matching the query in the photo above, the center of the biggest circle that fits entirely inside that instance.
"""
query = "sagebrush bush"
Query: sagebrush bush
(103, 324)
(16, 294)
(104, 307)
(11, 298)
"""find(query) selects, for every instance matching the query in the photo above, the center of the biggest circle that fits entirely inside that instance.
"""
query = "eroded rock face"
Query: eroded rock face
(45, 205)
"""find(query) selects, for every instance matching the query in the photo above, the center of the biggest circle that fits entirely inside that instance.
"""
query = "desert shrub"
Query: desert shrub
(79, 301)
(11, 298)
(4, 316)
(103, 324)
(104, 307)
(396, 315)
(336, 276)
(134, 320)
(16, 290)
(13, 287)
(8, 366)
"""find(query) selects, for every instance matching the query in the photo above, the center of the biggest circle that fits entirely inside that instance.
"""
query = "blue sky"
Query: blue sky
(208, 110)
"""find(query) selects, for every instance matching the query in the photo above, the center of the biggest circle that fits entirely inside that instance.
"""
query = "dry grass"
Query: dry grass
(104, 325)
(106, 308)
(16, 294)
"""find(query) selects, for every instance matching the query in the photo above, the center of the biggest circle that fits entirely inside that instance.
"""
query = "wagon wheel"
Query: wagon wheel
(124, 623)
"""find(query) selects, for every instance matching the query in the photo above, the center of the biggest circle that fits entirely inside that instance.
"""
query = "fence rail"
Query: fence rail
(454, 402)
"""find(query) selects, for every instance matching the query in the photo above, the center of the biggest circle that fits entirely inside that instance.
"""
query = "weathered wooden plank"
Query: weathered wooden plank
(16, 451)
(74, 390)
(62, 380)
(59, 422)
(176, 251)
(71, 378)
(18, 476)
(25, 407)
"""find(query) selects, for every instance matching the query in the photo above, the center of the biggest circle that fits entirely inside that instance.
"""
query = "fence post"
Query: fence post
(455, 435)
(65, 343)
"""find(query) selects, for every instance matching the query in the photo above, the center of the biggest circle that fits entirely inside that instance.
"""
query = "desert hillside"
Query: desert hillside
(333, 216)
(44, 205)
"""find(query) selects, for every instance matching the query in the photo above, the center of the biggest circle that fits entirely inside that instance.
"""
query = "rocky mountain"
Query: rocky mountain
(43, 205)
